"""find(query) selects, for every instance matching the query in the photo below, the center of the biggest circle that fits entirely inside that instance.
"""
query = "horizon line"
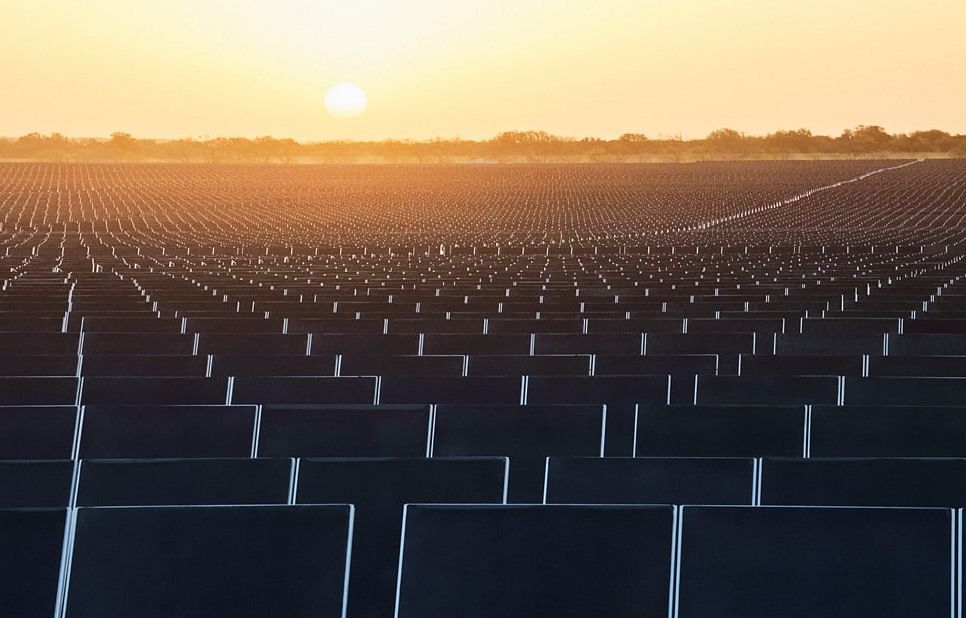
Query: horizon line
(511, 132)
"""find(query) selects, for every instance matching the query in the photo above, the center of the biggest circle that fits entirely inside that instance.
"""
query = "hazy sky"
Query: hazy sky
(178, 68)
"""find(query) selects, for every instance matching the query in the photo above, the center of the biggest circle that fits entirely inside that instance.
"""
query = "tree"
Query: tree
(123, 145)
(727, 141)
(31, 139)
(933, 140)
(866, 138)
(54, 146)
(632, 138)
(528, 143)
(800, 140)
(725, 136)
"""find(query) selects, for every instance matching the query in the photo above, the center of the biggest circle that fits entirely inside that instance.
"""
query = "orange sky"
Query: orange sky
(178, 68)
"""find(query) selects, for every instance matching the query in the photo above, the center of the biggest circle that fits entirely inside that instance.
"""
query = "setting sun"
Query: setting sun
(345, 100)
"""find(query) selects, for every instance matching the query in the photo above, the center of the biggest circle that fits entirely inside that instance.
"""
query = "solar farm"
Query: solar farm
(712, 389)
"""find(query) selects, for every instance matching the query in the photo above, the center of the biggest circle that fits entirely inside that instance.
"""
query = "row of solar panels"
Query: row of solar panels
(617, 317)
(503, 390)
(730, 339)
(610, 344)
(480, 561)
(338, 365)
(526, 434)
(911, 482)
(582, 321)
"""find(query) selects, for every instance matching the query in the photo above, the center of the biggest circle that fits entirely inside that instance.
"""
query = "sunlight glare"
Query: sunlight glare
(345, 100)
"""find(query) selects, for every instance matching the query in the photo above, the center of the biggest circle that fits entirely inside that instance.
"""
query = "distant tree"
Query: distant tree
(725, 136)
(528, 143)
(866, 138)
(266, 148)
(286, 149)
(31, 138)
(525, 137)
(54, 146)
(122, 140)
(30, 144)
(628, 144)
(632, 138)
(800, 140)
(933, 140)
(727, 141)
(123, 145)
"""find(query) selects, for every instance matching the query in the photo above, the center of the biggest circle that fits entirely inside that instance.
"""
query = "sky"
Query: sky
(471, 69)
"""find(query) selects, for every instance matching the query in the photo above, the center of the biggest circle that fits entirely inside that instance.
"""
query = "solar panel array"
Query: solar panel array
(715, 389)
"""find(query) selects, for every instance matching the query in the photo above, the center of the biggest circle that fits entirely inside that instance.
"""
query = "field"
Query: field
(721, 333)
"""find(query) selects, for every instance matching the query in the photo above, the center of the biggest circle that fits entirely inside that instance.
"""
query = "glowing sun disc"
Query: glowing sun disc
(345, 100)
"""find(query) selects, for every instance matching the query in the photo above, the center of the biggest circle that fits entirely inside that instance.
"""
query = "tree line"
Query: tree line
(513, 146)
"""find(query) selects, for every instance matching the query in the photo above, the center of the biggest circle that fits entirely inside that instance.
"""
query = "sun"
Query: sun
(345, 100)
